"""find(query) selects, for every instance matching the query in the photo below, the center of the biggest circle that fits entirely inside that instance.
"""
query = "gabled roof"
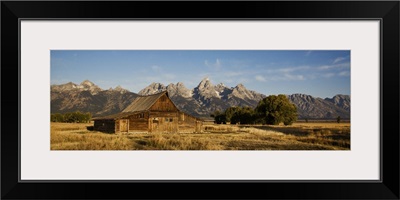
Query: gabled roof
(140, 104)
(143, 103)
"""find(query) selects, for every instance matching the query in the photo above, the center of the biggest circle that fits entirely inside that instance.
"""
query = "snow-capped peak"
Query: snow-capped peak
(153, 88)
(205, 83)
(87, 83)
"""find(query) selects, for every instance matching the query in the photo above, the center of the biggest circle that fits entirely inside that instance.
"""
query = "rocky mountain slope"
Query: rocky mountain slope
(314, 107)
(206, 97)
(202, 100)
(88, 97)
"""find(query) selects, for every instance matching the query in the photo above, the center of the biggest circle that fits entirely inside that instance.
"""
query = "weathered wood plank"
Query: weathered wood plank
(164, 104)
(162, 116)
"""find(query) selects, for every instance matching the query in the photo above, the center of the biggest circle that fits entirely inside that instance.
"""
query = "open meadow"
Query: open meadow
(299, 136)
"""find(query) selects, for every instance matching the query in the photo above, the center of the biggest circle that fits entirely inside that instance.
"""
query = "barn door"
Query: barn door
(155, 125)
(198, 126)
(124, 125)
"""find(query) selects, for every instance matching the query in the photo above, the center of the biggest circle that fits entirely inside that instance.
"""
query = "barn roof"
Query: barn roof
(143, 103)
(115, 116)
(139, 104)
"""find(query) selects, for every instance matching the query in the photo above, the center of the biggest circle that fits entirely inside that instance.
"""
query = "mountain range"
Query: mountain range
(200, 101)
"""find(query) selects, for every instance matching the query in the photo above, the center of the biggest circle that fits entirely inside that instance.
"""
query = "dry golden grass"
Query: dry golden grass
(299, 136)
(66, 136)
(321, 125)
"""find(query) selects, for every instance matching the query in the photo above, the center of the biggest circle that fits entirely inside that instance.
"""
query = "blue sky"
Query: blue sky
(318, 73)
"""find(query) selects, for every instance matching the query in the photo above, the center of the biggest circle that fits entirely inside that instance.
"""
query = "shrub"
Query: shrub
(73, 117)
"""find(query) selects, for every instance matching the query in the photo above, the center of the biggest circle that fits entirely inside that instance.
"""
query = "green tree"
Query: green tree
(72, 117)
(230, 112)
(277, 109)
(88, 117)
(219, 117)
(338, 119)
(243, 115)
(215, 113)
(57, 117)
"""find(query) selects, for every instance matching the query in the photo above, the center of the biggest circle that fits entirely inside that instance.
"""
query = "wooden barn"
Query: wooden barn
(152, 113)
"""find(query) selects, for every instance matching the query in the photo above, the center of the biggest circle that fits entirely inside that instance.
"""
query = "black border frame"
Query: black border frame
(386, 11)
(193, 181)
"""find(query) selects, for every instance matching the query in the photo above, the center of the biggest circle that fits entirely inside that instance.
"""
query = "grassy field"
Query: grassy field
(299, 136)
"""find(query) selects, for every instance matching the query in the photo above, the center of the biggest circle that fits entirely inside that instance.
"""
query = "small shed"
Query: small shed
(152, 113)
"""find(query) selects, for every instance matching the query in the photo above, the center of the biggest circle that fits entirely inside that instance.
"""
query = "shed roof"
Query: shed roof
(143, 103)
(115, 116)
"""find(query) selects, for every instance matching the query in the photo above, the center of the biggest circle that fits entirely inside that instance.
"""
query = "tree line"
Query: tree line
(270, 110)
(72, 117)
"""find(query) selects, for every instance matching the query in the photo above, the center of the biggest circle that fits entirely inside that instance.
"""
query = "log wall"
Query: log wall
(163, 122)
(188, 123)
(162, 117)
(139, 122)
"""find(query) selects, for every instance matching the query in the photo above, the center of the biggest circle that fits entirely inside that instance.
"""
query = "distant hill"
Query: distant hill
(88, 97)
(316, 108)
(200, 101)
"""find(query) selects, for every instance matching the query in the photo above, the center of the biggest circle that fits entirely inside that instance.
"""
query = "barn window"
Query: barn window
(141, 115)
(168, 119)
